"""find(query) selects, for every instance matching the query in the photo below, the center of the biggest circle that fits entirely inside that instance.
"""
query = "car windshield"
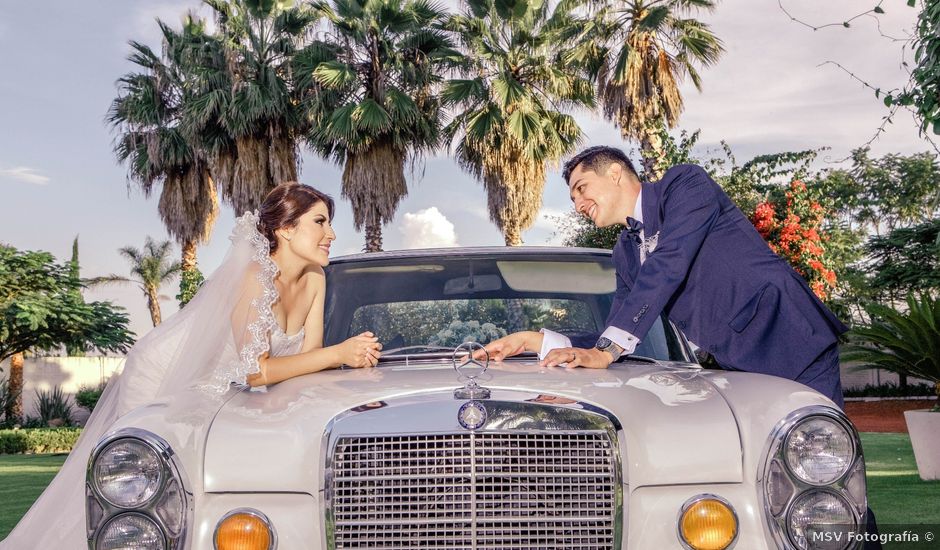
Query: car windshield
(420, 304)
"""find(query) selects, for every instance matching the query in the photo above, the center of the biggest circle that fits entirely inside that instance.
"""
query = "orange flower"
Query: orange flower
(792, 229)
(819, 290)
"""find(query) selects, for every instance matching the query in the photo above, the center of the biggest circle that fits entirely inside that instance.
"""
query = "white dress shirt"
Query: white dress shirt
(554, 340)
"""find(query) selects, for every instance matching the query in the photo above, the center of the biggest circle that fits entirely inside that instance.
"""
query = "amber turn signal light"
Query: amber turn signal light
(244, 530)
(708, 523)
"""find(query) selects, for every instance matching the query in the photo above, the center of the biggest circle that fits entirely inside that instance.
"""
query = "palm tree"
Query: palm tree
(253, 87)
(162, 141)
(649, 47)
(150, 269)
(512, 105)
(905, 343)
(370, 92)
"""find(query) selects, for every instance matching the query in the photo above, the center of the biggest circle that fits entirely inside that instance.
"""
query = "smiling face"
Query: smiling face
(606, 198)
(310, 238)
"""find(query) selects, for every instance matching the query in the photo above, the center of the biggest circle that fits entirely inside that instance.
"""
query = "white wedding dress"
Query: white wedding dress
(214, 341)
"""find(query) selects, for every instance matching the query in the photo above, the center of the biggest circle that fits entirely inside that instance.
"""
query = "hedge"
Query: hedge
(38, 440)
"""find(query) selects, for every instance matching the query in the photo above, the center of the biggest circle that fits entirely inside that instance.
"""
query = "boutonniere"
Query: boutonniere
(649, 243)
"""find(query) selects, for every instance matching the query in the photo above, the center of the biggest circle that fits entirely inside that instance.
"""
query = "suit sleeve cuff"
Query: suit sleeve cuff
(552, 340)
(620, 337)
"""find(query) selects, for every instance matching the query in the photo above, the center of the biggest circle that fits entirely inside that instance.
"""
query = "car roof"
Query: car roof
(542, 252)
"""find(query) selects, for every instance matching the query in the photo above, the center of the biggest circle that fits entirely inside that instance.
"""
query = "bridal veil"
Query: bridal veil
(212, 342)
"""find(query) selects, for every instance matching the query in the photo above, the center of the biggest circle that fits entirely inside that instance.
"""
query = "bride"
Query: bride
(257, 320)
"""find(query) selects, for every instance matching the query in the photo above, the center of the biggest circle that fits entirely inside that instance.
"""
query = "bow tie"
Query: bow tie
(632, 232)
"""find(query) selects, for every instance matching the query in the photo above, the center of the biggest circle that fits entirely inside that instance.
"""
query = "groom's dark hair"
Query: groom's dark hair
(597, 159)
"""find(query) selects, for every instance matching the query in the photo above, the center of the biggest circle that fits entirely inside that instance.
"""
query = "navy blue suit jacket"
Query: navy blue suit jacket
(715, 277)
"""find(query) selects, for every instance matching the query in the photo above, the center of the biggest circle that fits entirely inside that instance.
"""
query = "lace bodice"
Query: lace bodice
(282, 344)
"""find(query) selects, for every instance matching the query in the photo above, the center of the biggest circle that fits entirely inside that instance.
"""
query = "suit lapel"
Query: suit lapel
(631, 259)
(651, 209)
(651, 222)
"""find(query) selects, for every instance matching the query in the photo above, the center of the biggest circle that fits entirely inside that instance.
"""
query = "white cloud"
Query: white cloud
(426, 229)
(548, 216)
(24, 174)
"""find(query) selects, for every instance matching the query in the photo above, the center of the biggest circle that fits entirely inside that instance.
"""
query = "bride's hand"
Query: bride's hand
(360, 351)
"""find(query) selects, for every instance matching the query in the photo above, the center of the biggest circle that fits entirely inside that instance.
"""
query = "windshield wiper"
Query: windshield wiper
(426, 352)
(437, 352)
(637, 358)
(418, 350)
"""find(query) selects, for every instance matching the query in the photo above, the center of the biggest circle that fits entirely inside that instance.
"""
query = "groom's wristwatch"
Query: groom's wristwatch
(611, 347)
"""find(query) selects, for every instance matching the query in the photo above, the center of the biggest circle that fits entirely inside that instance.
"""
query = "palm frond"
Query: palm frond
(370, 117)
(335, 74)
(907, 343)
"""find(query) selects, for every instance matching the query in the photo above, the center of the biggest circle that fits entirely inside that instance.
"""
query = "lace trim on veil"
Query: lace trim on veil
(246, 230)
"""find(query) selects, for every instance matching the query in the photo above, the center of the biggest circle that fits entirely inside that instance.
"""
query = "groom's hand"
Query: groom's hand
(577, 357)
(512, 344)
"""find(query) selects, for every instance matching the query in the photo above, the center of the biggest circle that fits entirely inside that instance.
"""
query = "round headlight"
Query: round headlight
(819, 451)
(131, 531)
(822, 521)
(128, 473)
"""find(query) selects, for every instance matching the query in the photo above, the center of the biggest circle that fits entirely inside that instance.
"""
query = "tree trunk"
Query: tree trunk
(512, 236)
(190, 278)
(154, 305)
(14, 411)
(651, 148)
(373, 237)
(515, 315)
(189, 255)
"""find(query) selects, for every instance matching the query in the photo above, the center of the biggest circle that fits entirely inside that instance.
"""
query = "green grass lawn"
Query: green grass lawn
(22, 478)
(896, 494)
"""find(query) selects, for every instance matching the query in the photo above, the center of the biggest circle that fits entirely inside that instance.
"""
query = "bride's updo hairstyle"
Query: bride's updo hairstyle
(284, 205)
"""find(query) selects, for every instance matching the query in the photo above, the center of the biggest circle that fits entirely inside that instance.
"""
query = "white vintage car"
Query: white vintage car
(652, 453)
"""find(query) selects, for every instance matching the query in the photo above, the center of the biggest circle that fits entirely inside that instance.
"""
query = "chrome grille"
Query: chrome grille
(475, 491)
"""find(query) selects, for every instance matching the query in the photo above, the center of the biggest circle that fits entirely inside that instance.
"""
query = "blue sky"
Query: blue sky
(59, 61)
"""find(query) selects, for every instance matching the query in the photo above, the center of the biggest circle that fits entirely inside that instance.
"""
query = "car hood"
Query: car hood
(272, 440)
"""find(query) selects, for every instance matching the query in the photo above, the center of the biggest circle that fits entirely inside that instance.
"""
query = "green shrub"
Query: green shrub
(30, 421)
(53, 407)
(904, 342)
(889, 389)
(7, 399)
(40, 440)
(87, 396)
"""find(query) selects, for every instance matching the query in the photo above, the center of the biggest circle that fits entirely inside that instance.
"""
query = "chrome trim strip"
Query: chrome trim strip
(172, 471)
(773, 449)
(251, 512)
(698, 498)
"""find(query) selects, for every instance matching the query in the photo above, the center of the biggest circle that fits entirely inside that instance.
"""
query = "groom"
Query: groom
(688, 251)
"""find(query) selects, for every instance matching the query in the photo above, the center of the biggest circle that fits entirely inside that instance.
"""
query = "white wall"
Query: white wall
(69, 373)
